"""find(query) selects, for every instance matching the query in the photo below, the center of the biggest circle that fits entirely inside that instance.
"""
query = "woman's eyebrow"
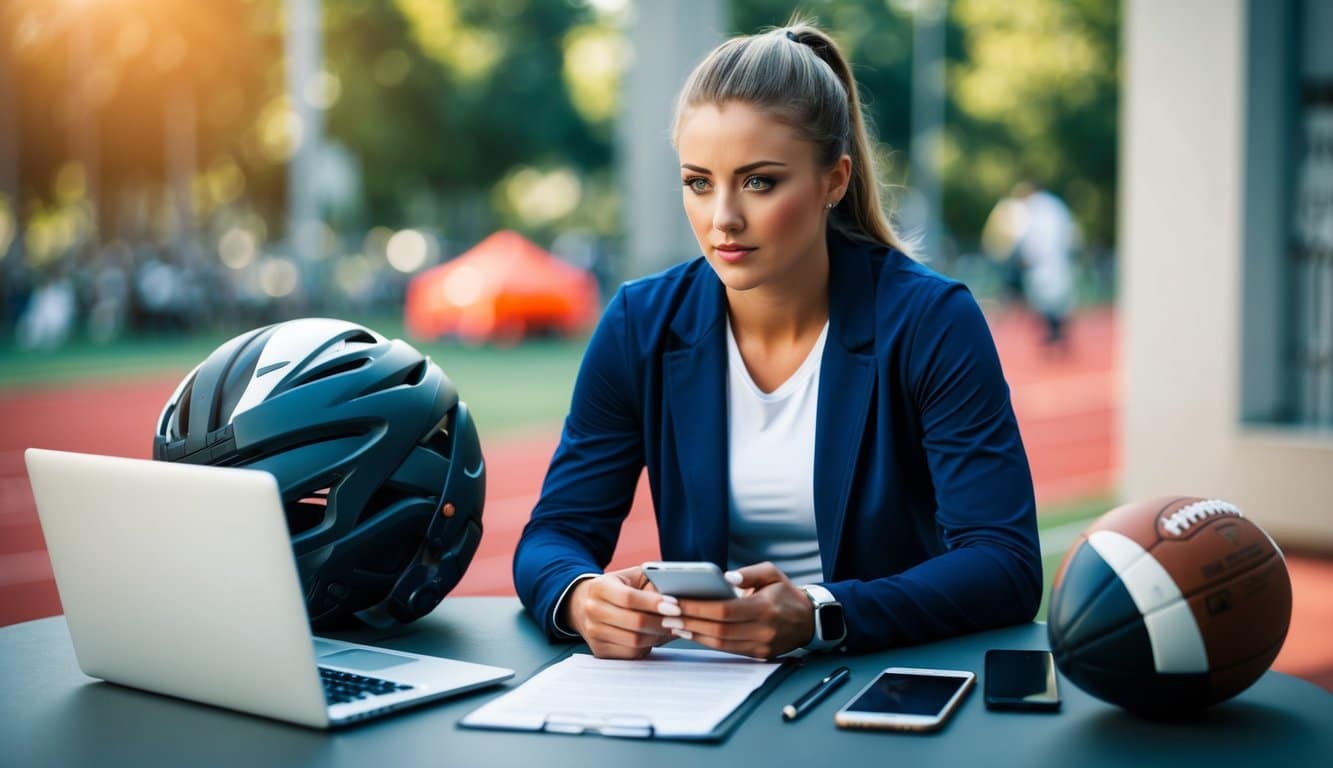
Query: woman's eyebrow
(743, 169)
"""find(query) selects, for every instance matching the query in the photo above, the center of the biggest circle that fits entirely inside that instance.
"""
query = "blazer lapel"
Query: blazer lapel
(846, 385)
(696, 399)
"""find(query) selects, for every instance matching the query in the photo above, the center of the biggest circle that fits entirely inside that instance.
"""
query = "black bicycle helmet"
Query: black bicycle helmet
(378, 461)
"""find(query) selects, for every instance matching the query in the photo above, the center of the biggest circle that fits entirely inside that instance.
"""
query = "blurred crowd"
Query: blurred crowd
(103, 291)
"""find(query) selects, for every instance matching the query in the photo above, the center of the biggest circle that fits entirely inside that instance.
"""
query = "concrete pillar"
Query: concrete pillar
(668, 40)
(304, 57)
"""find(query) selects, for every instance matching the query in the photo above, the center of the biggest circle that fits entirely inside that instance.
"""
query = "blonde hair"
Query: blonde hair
(798, 75)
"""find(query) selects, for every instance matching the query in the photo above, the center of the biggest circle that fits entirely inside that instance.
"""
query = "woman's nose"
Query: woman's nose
(727, 215)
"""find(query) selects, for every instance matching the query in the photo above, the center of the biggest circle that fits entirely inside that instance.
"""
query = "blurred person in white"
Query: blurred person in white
(49, 317)
(110, 294)
(1045, 249)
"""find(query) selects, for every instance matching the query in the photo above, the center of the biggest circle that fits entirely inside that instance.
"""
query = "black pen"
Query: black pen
(815, 695)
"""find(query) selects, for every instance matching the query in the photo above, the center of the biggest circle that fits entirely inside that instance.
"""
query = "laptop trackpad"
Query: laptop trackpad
(365, 661)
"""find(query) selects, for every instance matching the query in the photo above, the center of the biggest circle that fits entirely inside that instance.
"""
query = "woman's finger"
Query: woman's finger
(756, 576)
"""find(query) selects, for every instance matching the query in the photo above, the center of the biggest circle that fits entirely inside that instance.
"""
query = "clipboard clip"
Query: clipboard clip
(624, 727)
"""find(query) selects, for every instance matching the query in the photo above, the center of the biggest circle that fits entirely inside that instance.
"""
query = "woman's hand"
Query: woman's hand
(773, 617)
(619, 614)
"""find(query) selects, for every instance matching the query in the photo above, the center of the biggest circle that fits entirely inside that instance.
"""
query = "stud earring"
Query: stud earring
(828, 206)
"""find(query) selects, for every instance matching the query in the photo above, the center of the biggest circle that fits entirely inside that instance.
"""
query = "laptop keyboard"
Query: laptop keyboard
(342, 687)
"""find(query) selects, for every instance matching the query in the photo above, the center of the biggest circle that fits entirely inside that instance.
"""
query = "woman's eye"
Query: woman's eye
(697, 184)
(759, 183)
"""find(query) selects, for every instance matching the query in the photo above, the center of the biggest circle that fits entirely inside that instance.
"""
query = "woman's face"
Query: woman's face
(755, 197)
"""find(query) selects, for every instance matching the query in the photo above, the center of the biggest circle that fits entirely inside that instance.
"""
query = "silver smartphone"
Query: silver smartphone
(690, 580)
(907, 699)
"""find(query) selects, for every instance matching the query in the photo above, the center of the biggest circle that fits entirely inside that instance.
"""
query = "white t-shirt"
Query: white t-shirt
(772, 461)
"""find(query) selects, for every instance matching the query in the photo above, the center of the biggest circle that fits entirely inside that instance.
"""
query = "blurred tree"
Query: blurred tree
(1035, 91)
(108, 75)
(459, 111)
(442, 100)
(1032, 88)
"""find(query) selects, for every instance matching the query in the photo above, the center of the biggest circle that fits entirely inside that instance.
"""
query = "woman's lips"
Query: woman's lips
(732, 253)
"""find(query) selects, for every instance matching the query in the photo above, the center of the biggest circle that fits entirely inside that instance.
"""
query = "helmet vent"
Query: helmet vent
(333, 370)
(361, 337)
(402, 377)
(417, 373)
(307, 512)
(440, 440)
(183, 411)
(235, 382)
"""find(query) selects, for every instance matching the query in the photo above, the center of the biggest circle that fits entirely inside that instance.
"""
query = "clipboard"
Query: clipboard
(632, 726)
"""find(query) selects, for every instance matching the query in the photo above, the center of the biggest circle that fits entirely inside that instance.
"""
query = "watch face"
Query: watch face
(831, 624)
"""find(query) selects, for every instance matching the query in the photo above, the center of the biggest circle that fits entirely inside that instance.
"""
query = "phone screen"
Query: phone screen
(1021, 680)
(908, 694)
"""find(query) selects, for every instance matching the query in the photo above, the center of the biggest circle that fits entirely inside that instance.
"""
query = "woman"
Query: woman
(816, 410)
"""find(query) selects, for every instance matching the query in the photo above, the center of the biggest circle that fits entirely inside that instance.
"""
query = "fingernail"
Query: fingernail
(668, 609)
(733, 577)
(669, 598)
(673, 623)
(683, 633)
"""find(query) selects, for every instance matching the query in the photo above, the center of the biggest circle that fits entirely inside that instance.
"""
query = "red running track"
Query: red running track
(1067, 407)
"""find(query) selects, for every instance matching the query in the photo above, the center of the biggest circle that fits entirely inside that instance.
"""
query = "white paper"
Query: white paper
(678, 692)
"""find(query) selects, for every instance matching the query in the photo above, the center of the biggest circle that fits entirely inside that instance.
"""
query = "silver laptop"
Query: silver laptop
(180, 579)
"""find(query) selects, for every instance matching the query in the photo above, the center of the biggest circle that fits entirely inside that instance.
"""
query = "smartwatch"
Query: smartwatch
(830, 628)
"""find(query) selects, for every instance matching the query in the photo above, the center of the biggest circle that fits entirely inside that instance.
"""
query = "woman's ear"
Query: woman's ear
(838, 178)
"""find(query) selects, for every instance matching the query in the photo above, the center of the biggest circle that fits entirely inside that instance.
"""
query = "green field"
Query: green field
(507, 389)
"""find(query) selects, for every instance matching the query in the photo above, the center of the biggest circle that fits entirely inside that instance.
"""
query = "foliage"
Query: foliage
(460, 95)
(1031, 90)
(464, 115)
(103, 80)
(438, 100)
(1034, 93)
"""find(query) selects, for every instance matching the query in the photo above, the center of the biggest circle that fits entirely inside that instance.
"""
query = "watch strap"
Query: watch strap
(820, 596)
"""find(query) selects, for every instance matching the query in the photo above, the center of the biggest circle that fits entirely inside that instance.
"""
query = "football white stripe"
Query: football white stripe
(1177, 645)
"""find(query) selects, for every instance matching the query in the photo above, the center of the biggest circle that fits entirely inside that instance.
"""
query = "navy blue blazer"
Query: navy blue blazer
(924, 508)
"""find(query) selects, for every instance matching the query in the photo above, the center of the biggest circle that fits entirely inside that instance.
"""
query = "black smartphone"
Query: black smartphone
(1021, 680)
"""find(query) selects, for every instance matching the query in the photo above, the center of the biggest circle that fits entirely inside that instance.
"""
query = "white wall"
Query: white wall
(1182, 235)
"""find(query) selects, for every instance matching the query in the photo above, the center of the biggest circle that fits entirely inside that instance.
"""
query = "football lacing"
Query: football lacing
(1180, 521)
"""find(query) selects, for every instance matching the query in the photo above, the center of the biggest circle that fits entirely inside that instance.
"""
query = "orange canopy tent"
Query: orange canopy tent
(501, 290)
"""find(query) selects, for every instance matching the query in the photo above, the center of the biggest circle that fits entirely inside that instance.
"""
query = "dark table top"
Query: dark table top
(51, 714)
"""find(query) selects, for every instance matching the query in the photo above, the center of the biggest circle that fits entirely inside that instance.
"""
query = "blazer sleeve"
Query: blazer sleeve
(590, 483)
(989, 574)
